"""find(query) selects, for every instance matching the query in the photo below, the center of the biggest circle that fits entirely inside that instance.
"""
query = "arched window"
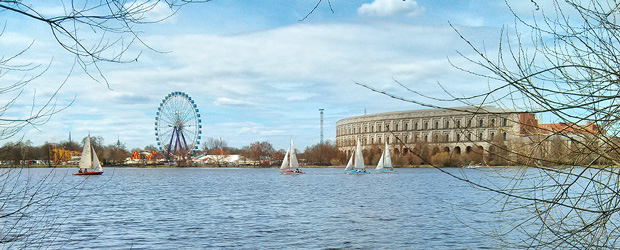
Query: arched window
(480, 123)
(492, 136)
(405, 139)
(504, 136)
(447, 124)
(458, 124)
(492, 123)
(480, 137)
(504, 122)
(436, 125)
(425, 137)
(415, 126)
(425, 125)
(406, 127)
(447, 137)
(372, 140)
(458, 137)
(396, 127)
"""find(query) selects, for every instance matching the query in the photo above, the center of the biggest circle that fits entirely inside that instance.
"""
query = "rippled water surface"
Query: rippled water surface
(195, 208)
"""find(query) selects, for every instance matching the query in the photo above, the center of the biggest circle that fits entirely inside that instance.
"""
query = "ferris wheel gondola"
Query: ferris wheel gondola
(177, 125)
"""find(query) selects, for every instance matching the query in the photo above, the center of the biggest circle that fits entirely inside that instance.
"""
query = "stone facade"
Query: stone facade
(458, 130)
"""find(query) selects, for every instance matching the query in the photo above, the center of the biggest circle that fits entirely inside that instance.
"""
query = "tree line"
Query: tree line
(20, 152)
(260, 152)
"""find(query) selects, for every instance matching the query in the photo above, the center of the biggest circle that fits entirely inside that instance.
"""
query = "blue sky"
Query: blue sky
(255, 71)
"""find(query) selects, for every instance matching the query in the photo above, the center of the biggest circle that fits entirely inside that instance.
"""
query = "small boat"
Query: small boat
(89, 160)
(290, 164)
(385, 162)
(356, 166)
(473, 165)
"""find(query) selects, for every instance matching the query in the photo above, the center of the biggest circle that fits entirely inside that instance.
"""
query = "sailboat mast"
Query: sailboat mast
(90, 145)
(292, 152)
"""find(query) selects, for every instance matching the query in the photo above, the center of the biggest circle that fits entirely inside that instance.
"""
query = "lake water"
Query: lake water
(227, 208)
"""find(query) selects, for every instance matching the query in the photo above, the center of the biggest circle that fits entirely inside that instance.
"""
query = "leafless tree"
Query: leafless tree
(213, 143)
(563, 63)
(258, 149)
(93, 32)
(323, 154)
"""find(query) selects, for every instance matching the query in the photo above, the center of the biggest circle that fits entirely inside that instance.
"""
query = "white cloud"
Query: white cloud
(15, 39)
(52, 10)
(261, 130)
(297, 98)
(390, 8)
(225, 101)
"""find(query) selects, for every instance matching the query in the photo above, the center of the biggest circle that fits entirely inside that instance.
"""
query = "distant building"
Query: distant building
(219, 159)
(458, 130)
(570, 129)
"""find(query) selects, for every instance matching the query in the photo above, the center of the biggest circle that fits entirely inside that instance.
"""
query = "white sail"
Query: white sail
(350, 164)
(293, 158)
(387, 161)
(359, 158)
(89, 158)
(285, 162)
(95, 164)
(380, 164)
(86, 158)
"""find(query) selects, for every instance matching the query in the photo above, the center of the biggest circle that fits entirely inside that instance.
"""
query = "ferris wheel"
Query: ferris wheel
(177, 125)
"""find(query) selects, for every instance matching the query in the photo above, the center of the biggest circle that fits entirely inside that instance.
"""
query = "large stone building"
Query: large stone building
(456, 130)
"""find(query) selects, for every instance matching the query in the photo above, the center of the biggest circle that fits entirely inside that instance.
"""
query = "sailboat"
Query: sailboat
(290, 164)
(356, 162)
(473, 165)
(89, 160)
(385, 162)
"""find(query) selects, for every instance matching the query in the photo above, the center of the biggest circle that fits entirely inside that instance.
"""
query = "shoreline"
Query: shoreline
(191, 166)
(241, 166)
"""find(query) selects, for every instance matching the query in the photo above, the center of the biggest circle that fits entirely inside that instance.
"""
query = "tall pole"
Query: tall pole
(321, 110)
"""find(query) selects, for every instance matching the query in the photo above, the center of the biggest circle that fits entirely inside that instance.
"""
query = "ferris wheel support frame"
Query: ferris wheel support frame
(177, 144)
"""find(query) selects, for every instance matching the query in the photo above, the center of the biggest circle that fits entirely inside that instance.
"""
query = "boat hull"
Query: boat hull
(356, 172)
(89, 173)
(288, 171)
(384, 171)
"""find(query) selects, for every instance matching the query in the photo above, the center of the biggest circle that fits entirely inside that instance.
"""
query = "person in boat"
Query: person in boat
(80, 170)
